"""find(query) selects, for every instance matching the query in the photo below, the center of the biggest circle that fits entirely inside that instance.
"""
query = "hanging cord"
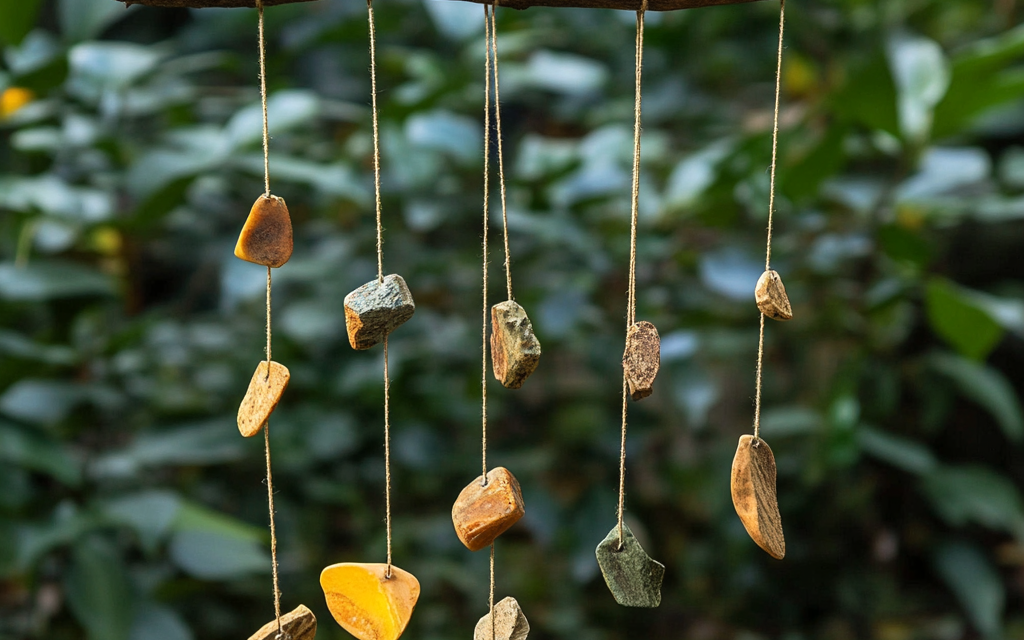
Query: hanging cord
(631, 301)
(266, 427)
(501, 155)
(487, 196)
(380, 277)
(771, 210)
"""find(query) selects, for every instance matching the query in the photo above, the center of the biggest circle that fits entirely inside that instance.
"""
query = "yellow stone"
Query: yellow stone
(366, 602)
(261, 398)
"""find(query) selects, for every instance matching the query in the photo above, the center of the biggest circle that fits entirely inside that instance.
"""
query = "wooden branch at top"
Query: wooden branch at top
(631, 5)
(199, 4)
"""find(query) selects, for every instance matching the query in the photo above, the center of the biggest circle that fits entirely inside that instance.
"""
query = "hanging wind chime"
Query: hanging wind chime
(492, 503)
(374, 601)
(753, 468)
(266, 239)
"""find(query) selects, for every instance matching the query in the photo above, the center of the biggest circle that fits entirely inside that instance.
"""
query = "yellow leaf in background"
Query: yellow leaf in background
(13, 99)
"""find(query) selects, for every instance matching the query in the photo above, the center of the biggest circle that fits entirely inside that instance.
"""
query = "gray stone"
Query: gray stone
(631, 575)
(509, 623)
(376, 309)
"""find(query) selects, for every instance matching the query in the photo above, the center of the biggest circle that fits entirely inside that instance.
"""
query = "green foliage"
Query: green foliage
(131, 508)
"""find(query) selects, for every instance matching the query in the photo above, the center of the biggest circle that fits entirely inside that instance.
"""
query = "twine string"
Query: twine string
(771, 211)
(501, 155)
(376, 141)
(387, 452)
(486, 208)
(263, 99)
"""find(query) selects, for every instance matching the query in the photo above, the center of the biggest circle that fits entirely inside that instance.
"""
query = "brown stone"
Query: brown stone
(299, 624)
(376, 309)
(201, 4)
(509, 623)
(262, 396)
(771, 298)
(266, 237)
(627, 5)
(753, 495)
(515, 350)
(367, 602)
(642, 359)
(483, 512)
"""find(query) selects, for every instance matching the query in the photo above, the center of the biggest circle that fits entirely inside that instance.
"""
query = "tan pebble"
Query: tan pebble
(264, 392)
(771, 298)
(299, 624)
(642, 359)
(753, 495)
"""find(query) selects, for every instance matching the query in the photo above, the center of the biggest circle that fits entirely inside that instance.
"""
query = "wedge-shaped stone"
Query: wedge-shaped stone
(265, 390)
(366, 602)
(515, 350)
(299, 624)
(376, 309)
(266, 237)
(509, 623)
(753, 495)
(642, 359)
(631, 575)
(771, 298)
(484, 512)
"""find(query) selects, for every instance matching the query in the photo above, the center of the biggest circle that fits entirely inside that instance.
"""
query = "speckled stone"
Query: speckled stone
(300, 624)
(376, 309)
(515, 350)
(509, 623)
(631, 575)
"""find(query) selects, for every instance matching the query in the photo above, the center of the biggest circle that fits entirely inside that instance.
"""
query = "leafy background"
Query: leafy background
(130, 154)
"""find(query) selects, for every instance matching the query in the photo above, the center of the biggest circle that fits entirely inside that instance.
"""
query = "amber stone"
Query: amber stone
(753, 495)
(483, 512)
(367, 602)
(265, 389)
(266, 237)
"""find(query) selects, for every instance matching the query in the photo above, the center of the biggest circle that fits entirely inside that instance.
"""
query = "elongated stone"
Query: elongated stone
(299, 624)
(483, 512)
(631, 575)
(261, 398)
(376, 309)
(509, 623)
(642, 359)
(266, 237)
(753, 495)
(366, 602)
(515, 350)
(771, 298)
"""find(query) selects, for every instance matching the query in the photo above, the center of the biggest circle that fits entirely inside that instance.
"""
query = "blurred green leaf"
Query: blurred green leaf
(976, 583)
(921, 75)
(902, 244)
(212, 556)
(39, 453)
(98, 590)
(194, 517)
(155, 621)
(869, 97)
(86, 19)
(16, 20)
(48, 280)
(971, 494)
(900, 452)
(151, 513)
(41, 401)
(985, 386)
(957, 319)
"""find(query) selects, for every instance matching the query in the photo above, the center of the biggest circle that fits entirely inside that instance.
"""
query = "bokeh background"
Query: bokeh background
(130, 507)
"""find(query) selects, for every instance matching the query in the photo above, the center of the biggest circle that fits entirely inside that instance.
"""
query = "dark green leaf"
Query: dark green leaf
(16, 19)
(976, 583)
(985, 386)
(961, 322)
(98, 590)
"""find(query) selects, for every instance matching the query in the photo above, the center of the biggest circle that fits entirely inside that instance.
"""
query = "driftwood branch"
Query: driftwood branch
(631, 5)
(199, 4)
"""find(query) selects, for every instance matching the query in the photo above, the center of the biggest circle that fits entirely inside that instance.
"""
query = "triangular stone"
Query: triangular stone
(515, 350)
(483, 512)
(264, 392)
(631, 575)
(753, 495)
(771, 298)
(376, 309)
(509, 623)
(299, 624)
(366, 602)
(642, 359)
(266, 237)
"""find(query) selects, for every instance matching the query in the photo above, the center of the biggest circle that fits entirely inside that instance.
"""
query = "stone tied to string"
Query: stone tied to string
(632, 576)
(753, 467)
(374, 601)
(266, 239)
(493, 502)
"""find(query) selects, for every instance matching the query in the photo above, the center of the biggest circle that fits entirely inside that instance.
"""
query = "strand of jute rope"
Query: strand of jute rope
(631, 301)
(501, 155)
(487, 197)
(771, 211)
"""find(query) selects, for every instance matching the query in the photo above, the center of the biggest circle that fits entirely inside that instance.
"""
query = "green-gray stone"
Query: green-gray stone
(631, 575)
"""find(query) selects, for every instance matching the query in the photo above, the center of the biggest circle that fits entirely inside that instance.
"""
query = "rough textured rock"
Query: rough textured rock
(367, 603)
(642, 359)
(509, 623)
(483, 512)
(376, 309)
(631, 575)
(626, 5)
(299, 624)
(200, 4)
(264, 392)
(515, 350)
(266, 237)
(753, 495)
(771, 297)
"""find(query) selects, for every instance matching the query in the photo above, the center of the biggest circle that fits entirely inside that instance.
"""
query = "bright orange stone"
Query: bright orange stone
(367, 603)
(266, 237)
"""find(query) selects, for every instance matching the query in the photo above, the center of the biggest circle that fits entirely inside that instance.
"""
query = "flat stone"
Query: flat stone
(299, 624)
(771, 298)
(642, 359)
(753, 495)
(266, 237)
(515, 350)
(261, 398)
(484, 512)
(509, 623)
(366, 602)
(631, 575)
(376, 309)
